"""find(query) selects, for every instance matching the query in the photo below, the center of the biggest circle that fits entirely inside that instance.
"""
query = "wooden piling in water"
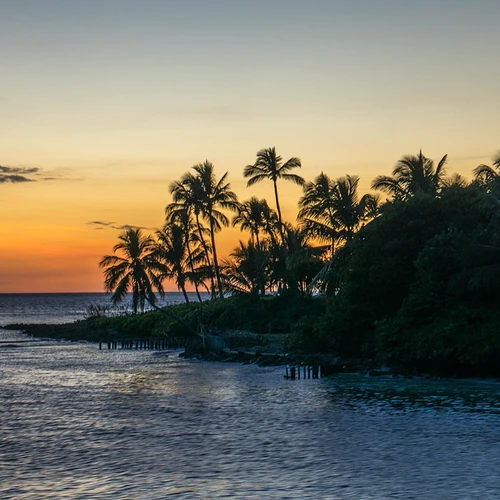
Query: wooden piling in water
(155, 343)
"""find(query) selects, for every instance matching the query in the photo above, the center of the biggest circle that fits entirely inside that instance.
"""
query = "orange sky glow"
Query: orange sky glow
(112, 101)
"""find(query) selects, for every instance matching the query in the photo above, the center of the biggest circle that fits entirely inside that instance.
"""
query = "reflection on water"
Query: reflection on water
(80, 423)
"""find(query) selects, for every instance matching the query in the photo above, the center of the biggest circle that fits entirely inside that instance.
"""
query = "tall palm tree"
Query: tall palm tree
(214, 195)
(269, 165)
(317, 212)
(137, 270)
(186, 195)
(412, 175)
(172, 250)
(181, 215)
(332, 210)
(350, 210)
(254, 215)
(486, 174)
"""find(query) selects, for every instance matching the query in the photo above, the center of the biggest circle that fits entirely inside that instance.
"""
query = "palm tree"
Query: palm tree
(303, 261)
(137, 270)
(247, 269)
(485, 174)
(181, 215)
(331, 210)
(350, 211)
(186, 195)
(213, 195)
(317, 212)
(455, 180)
(255, 216)
(412, 175)
(172, 250)
(269, 165)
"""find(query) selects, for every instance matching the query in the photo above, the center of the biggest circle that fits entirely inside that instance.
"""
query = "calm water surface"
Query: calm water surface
(53, 308)
(79, 423)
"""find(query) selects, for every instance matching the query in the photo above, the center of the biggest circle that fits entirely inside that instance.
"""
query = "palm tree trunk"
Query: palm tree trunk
(280, 224)
(135, 299)
(186, 298)
(278, 209)
(216, 264)
(205, 249)
(191, 265)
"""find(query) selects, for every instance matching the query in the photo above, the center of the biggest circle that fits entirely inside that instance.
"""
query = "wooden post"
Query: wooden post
(100, 346)
(286, 373)
(315, 371)
(292, 372)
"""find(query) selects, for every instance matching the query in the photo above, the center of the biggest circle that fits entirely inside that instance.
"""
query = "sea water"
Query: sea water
(67, 307)
(79, 423)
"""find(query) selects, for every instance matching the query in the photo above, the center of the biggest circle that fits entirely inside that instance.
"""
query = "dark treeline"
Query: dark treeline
(413, 280)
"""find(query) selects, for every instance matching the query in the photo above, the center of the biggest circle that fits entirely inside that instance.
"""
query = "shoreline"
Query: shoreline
(329, 364)
(80, 331)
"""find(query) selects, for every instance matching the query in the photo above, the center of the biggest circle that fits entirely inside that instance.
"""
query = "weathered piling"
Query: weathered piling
(293, 372)
(150, 343)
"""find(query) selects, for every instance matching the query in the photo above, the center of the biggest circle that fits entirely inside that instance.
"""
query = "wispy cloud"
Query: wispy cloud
(16, 175)
(101, 224)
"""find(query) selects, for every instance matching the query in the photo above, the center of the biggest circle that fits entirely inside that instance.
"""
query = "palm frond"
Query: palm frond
(296, 179)
(256, 178)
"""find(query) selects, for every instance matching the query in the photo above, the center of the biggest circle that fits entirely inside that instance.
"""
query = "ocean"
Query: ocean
(53, 308)
(79, 423)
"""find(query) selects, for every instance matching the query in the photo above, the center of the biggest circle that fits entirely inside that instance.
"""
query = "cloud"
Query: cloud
(101, 224)
(18, 174)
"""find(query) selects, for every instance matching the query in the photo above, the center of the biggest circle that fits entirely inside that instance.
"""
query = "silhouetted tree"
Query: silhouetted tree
(137, 270)
(269, 165)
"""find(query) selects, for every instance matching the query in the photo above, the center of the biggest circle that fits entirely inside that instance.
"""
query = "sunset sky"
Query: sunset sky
(103, 103)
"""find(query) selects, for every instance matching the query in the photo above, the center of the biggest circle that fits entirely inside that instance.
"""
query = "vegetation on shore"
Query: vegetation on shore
(413, 281)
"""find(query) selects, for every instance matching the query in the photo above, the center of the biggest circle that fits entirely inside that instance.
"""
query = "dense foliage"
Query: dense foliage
(414, 282)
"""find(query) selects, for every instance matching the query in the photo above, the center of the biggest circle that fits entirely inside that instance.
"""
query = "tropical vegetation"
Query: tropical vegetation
(409, 276)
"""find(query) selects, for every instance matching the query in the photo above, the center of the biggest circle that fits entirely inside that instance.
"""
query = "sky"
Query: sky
(103, 103)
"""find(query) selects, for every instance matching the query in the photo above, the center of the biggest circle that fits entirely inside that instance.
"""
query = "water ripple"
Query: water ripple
(79, 423)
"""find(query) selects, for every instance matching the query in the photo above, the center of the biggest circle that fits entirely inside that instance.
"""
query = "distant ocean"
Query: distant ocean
(53, 308)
